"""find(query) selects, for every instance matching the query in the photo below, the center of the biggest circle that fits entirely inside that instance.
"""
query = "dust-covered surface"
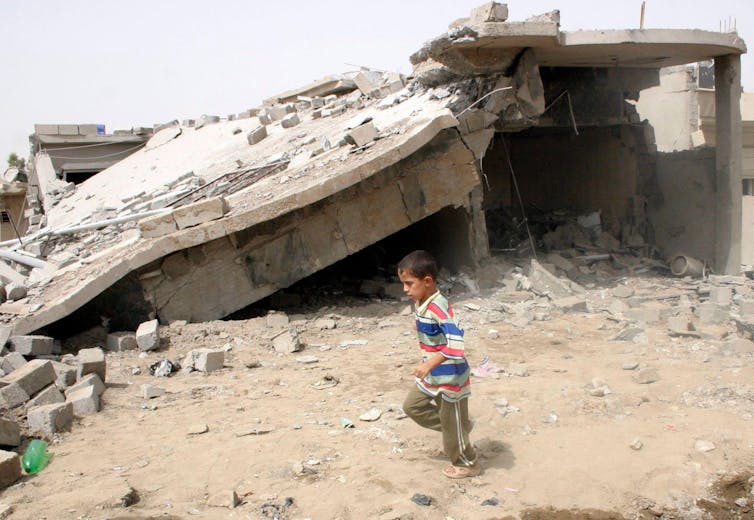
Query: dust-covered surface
(567, 422)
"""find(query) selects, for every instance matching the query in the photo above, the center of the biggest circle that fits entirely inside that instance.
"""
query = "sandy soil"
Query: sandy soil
(274, 436)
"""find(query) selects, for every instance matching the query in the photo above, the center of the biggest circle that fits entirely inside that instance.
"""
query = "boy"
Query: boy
(439, 401)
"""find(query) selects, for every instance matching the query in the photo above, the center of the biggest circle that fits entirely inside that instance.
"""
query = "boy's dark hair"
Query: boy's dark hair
(419, 263)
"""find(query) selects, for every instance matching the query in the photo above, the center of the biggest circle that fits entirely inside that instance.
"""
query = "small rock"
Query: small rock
(646, 376)
(197, 429)
(472, 306)
(151, 391)
(325, 324)
(371, 415)
(306, 360)
(422, 500)
(227, 499)
(631, 365)
(493, 334)
(491, 502)
(636, 444)
(741, 502)
(623, 292)
(703, 446)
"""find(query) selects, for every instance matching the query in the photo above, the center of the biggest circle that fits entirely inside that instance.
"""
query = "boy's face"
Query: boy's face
(418, 289)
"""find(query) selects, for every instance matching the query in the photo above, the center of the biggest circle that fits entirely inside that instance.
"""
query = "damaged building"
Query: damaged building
(502, 127)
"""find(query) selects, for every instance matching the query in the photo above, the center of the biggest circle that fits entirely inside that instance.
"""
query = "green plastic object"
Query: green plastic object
(35, 458)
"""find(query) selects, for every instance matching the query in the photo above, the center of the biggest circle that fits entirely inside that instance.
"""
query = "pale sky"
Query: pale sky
(140, 62)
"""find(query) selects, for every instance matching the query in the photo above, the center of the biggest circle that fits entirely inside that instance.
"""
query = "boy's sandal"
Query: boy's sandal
(462, 471)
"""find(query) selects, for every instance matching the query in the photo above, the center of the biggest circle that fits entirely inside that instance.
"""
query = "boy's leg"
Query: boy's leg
(455, 432)
(422, 409)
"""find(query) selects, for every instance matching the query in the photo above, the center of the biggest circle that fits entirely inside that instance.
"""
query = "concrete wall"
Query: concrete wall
(14, 206)
(681, 208)
(671, 108)
(747, 231)
(225, 275)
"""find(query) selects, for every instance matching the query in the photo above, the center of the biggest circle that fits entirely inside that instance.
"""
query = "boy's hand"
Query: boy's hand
(420, 371)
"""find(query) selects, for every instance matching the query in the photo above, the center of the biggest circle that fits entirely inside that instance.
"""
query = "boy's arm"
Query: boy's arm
(421, 371)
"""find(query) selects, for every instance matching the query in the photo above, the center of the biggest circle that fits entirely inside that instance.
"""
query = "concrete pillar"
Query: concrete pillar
(728, 169)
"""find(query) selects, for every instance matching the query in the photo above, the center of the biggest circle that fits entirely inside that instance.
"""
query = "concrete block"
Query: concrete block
(10, 434)
(147, 337)
(277, 113)
(15, 291)
(206, 120)
(12, 395)
(50, 418)
(474, 120)
(643, 315)
(151, 391)
(32, 345)
(711, 313)
(157, 225)
(65, 375)
(286, 342)
(88, 380)
(257, 134)
(10, 468)
(290, 121)
(200, 212)
(369, 82)
(543, 282)
(746, 308)
(208, 360)
(5, 333)
(46, 129)
(32, 377)
(88, 129)
(120, 341)
(489, 12)
(49, 395)
(264, 119)
(276, 320)
(85, 401)
(68, 129)
(91, 361)
(721, 295)
(361, 135)
(12, 361)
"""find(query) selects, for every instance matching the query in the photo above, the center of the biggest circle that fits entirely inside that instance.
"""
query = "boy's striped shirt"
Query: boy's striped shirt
(439, 332)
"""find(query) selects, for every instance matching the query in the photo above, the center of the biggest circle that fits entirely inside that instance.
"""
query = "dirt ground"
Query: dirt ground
(269, 427)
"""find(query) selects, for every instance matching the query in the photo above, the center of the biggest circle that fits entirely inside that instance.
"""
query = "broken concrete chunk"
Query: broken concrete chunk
(200, 212)
(5, 333)
(361, 135)
(290, 121)
(369, 82)
(206, 120)
(287, 342)
(227, 499)
(49, 395)
(489, 12)
(12, 361)
(32, 345)
(544, 282)
(12, 395)
(681, 326)
(717, 295)
(50, 418)
(10, 468)
(15, 291)
(277, 320)
(157, 225)
(10, 434)
(646, 376)
(91, 361)
(474, 120)
(65, 375)
(32, 377)
(277, 113)
(151, 391)
(257, 134)
(711, 313)
(204, 360)
(571, 304)
(147, 337)
(92, 380)
(120, 341)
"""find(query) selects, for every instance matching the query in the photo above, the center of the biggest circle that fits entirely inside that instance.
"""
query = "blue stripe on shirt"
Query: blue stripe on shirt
(430, 329)
(451, 328)
(449, 369)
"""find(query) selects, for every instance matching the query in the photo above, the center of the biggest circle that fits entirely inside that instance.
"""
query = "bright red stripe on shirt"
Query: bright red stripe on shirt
(437, 311)
(432, 348)
(452, 351)
(452, 388)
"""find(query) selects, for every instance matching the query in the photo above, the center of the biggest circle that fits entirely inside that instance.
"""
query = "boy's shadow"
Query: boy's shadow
(495, 453)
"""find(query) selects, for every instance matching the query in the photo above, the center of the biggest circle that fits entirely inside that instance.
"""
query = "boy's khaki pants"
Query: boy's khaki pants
(452, 419)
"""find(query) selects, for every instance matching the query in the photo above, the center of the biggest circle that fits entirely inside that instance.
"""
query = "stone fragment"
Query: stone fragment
(10, 468)
(325, 324)
(228, 499)
(681, 326)
(560, 262)
(290, 121)
(121, 341)
(208, 360)
(91, 361)
(200, 212)
(646, 376)
(147, 337)
(12, 361)
(361, 135)
(277, 320)
(307, 360)
(151, 391)
(10, 434)
(5, 334)
(50, 418)
(636, 444)
(371, 415)
(571, 304)
(198, 429)
(746, 308)
(643, 315)
(158, 225)
(32, 345)
(735, 346)
(49, 395)
(15, 291)
(368, 82)
(32, 377)
(719, 295)
(88, 380)
(623, 291)
(544, 282)
(630, 365)
(703, 446)
(629, 333)
(12, 395)
(287, 342)
(489, 12)
(85, 401)
(711, 313)
(257, 135)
